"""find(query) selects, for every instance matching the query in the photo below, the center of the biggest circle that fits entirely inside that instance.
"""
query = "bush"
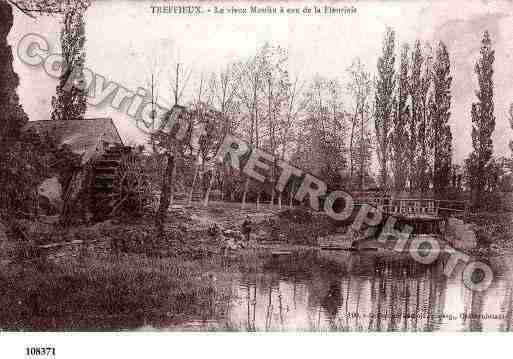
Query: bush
(24, 164)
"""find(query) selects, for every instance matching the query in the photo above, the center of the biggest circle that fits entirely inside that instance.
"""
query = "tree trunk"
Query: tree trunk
(222, 181)
(362, 160)
(165, 195)
(70, 196)
(209, 189)
(291, 198)
(196, 170)
(203, 185)
(246, 186)
(230, 185)
(351, 155)
(173, 175)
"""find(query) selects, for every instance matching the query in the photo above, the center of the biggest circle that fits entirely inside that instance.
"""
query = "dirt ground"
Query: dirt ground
(201, 231)
(191, 231)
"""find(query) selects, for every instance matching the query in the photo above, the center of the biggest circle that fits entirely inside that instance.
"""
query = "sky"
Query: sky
(125, 41)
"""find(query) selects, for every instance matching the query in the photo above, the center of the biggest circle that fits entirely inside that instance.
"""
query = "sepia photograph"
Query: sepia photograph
(286, 166)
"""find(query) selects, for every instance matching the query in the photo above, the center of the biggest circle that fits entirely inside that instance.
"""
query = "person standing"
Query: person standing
(246, 228)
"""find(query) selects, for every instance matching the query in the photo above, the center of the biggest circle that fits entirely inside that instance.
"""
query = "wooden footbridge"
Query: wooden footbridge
(426, 216)
(417, 207)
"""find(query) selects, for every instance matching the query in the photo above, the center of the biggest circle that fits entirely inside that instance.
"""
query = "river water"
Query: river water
(344, 291)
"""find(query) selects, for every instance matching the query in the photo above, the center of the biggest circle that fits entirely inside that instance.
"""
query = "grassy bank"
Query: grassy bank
(122, 292)
(494, 231)
(120, 276)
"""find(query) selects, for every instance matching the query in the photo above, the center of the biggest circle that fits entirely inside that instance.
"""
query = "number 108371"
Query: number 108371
(40, 351)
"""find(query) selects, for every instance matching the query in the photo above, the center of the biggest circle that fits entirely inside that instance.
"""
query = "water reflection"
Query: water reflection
(350, 292)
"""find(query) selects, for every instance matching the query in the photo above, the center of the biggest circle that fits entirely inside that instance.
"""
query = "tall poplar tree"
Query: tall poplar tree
(424, 133)
(440, 104)
(415, 85)
(70, 101)
(483, 118)
(385, 85)
(400, 121)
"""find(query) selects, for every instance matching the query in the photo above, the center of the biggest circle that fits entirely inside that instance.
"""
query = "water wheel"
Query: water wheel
(119, 183)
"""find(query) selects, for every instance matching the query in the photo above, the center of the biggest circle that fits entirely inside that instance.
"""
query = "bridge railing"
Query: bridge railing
(416, 206)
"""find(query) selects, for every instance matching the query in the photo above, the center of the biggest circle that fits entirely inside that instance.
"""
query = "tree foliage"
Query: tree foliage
(12, 116)
(417, 97)
(321, 147)
(384, 103)
(440, 104)
(70, 101)
(25, 158)
(360, 88)
(25, 163)
(483, 118)
(401, 118)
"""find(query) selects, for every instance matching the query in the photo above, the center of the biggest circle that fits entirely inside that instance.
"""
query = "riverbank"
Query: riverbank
(118, 274)
(494, 231)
